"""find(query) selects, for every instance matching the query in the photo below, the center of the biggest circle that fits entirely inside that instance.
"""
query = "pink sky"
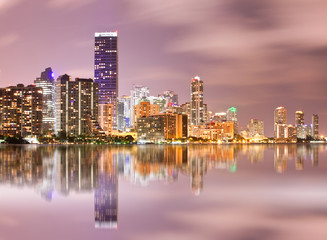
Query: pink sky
(252, 54)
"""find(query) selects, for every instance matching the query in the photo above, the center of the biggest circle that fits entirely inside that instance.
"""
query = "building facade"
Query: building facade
(106, 69)
(21, 110)
(280, 118)
(76, 106)
(197, 111)
(47, 83)
(315, 126)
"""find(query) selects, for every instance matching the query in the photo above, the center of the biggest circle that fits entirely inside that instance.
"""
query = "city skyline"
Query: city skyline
(158, 57)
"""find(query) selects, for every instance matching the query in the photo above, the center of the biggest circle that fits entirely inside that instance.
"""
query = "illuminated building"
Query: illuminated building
(160, 127)
(138, 92)
(301, 131)
(76, 105)
(255, 128)
(291, 132)
(231, 116)
(299, 118)
(315, 126)
(186, 109)
(21, 110)
(106, 70)
(46, 82)
(197, 111)
(220, 117)
(144, 109)
(105, 117)
(280, 121)
(219, 131)
(170, 97)
(124, 109)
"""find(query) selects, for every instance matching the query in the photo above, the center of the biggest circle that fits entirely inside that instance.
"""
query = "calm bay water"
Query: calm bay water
(228, 192)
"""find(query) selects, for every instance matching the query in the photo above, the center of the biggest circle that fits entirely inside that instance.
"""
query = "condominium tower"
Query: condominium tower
(106, 70)
(197, 112)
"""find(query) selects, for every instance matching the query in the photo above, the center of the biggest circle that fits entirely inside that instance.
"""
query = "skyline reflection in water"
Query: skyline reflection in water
(66, 170)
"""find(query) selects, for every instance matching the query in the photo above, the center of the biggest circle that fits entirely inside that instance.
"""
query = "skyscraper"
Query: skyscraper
(77, 105)
(315, 126)
(197, 101)
(280, 118)
(106, 70)
(299, 118)
(255, 127)
(46, 82)
(231, 115)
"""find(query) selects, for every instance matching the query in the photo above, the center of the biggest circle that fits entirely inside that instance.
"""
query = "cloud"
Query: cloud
(8, 39)
(6, 4)
(69, 4)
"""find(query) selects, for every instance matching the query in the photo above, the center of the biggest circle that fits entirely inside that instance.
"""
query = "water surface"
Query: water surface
(228, 192)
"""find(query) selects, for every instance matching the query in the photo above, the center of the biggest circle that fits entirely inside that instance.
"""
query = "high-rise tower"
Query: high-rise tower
(299, 118)
(196, 101)
(280, 121)
(315, 126)
(106, 70)
(46, 82)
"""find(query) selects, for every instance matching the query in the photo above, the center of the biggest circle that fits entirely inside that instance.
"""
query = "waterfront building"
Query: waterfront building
(21, 110)
(47, 83)
(197, 110)
(106, 70)
(255, 127)
(299, 118)
(231, 116)
(144, 109)
(76, 106)
(280, 118)
(315, 126)
(161, 127)
(215, 131)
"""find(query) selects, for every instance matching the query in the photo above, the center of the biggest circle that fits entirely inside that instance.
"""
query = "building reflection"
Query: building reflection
(52, 170)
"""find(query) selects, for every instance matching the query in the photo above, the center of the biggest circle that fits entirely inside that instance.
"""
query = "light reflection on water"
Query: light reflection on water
(64, 170)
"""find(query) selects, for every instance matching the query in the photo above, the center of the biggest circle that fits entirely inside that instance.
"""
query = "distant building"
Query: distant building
(47, 83)
(197, 111)
(106, 117)
(186, 109)
(255, 127)
(106, 70)
(301, 131)
(144, 109)
(170, 97)
(280, 121)
(21, 110)
(315, 126)
(76, 105)
(161, 127)
(299, 118)
(124, 109)
(138, 92)
(222, 131)
(231, 116)
(220, 117)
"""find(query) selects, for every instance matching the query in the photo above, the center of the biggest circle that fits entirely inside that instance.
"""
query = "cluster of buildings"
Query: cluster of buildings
(86, 107)
(288, 132)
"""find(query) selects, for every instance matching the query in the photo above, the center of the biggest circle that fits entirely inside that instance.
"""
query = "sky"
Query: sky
(255, 55)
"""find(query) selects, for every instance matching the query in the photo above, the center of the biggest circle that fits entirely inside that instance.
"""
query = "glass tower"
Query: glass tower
(106, 70)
